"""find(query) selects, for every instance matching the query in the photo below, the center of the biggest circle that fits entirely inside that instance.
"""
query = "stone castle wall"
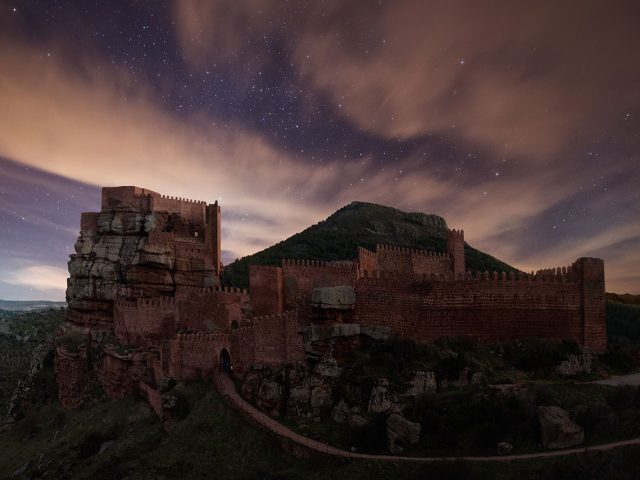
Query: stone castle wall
(407, 261)
(488, 307)
(301, 277)
(267, 340)
(195, 355)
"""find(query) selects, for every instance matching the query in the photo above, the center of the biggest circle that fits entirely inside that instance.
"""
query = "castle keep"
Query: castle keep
(145, 287)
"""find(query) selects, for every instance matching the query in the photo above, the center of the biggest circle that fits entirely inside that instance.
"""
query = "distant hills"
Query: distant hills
(625, 298)
(29, 306)
(361, 224)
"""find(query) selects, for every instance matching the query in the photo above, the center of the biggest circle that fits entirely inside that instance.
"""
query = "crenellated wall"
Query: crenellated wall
(301, 277)
(144, 321)
(196, 355)
(490, 307)
(404, 261)
(211, 309)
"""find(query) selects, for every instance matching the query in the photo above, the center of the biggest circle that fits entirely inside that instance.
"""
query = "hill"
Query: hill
(361, 224)
(28, 306)
(625, 298)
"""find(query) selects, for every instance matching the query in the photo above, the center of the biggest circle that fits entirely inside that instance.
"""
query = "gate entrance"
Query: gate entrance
(225, 361)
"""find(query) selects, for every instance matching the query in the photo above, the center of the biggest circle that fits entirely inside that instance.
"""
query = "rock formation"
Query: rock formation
(401, 432)
(557, 430)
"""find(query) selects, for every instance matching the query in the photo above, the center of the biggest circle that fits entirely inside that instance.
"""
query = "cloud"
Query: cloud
(100, 127)
(39, 277)
(512, 87)
(520, 80)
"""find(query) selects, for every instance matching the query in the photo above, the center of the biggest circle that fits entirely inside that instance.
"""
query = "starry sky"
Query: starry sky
(517, 121)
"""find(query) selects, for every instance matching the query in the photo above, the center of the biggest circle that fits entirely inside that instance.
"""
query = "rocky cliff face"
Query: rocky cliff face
(124, 250)
(121, 252)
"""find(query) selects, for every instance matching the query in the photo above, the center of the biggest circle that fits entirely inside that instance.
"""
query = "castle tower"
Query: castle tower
(455, 248)
(212, 235)
(590, 272)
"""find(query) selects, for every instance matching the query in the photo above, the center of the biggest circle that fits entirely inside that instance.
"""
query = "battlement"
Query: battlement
(558, 275)
(184, 200)
(183, 337)
(556, 271)
(400, 276)
(342, 265)
(185, 291)
(408, 262)
(159, 302)
(413, 251)
(272, 319)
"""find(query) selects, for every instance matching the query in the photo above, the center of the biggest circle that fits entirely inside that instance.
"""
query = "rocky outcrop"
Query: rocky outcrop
(340, 298)
(139, 246)
(557, 430)
(119, 373)
(126, 250)
(421, 383)
(379, 400)
(576, 364)
(401, 433)
(321, 401)
(39, 356)
(72, 375)
(268, 396)
(504, 448)
(88, 360)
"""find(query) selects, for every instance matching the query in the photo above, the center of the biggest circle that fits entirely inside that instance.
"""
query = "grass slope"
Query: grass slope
(356, 225)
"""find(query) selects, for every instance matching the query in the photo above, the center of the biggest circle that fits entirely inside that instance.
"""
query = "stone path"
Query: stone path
(631, 379)
(227, 389)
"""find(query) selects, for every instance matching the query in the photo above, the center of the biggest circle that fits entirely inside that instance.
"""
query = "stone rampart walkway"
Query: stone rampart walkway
(227, 389)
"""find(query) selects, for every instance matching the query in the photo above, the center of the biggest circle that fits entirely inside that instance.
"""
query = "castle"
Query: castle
(145, 285)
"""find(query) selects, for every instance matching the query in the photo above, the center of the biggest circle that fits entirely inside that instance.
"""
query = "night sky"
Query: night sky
(516, 121)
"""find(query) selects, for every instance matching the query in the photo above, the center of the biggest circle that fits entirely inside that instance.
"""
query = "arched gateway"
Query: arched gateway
(225, 361)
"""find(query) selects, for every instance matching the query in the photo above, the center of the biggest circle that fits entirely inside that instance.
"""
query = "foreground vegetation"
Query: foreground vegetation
(20, 332)
(123, 439)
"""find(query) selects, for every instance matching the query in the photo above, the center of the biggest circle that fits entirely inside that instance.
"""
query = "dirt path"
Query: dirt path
(227, 388)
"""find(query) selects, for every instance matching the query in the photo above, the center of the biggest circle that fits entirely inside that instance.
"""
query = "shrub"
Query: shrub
(371, 437)
(619, 360)
(622, 398)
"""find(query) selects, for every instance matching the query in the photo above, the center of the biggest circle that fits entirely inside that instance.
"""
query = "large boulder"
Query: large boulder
(268, 397)
(504, 448)
(327, 367)
(401, 432)
(557, 430)
(341, 298)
